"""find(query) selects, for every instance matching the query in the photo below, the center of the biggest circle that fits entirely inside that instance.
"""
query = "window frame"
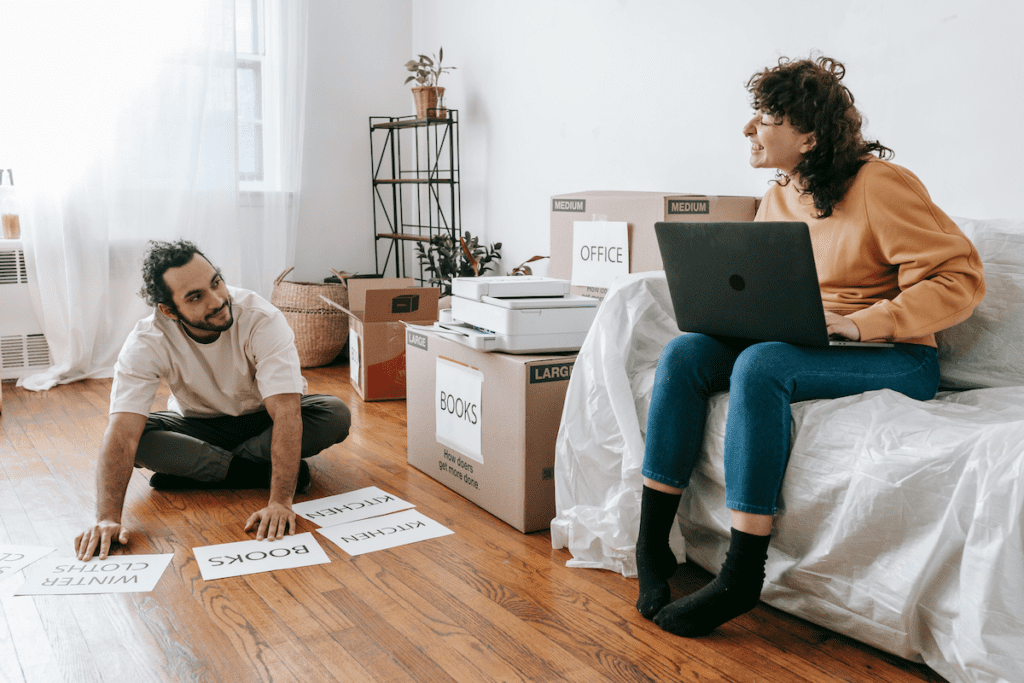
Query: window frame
(257, 56)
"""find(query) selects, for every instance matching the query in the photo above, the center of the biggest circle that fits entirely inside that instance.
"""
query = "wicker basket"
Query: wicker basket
(321, 330)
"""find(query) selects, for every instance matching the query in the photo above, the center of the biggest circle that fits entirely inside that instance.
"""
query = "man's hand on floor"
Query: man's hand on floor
(274, 521)
(99, 537)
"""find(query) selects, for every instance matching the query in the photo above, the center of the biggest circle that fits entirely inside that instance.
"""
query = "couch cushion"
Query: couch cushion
(987, 349)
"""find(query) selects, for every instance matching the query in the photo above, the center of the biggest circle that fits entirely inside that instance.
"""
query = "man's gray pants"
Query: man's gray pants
(202, 448)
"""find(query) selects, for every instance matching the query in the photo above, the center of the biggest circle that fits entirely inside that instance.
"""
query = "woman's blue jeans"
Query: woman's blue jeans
(762, 380)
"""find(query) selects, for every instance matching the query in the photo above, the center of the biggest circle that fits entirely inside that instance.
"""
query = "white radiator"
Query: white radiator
(23, 348)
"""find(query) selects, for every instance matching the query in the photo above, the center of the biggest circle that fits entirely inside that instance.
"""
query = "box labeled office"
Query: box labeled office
(380, 307)
(484, 424)
(640, 211)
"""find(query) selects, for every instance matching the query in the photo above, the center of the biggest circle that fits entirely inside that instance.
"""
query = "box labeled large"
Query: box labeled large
(379, 309)
(640, 211)
(484, 424)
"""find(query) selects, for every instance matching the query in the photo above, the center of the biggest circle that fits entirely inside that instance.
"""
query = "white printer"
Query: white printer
(518, 314)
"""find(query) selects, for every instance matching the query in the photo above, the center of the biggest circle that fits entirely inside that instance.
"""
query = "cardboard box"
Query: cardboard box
(640, 211)
(516, 422)
(694, 208)
(378, 309)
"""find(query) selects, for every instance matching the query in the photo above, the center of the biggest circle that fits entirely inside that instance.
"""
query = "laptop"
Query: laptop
(751, 280)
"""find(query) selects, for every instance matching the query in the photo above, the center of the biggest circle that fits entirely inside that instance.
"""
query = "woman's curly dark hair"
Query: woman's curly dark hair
(160, 257)
(810, 94)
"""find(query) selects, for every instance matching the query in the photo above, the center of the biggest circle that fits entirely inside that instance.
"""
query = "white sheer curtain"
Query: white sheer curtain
(268, 218)
(120, 118)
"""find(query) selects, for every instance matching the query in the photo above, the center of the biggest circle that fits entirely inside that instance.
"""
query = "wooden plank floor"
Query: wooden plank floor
(484, 604)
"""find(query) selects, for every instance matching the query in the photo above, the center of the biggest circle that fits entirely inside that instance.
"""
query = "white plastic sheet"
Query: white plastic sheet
(900, 521)
(600, 445)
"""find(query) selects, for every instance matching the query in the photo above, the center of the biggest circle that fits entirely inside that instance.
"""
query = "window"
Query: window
(250, 54)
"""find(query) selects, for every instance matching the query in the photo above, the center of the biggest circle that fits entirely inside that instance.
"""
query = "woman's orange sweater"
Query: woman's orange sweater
(887, 257)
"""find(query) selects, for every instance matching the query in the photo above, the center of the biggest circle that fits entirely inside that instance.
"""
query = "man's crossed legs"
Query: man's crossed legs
(233, 452)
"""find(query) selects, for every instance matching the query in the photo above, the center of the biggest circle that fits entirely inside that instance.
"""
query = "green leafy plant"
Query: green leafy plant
(427, 70)
(443, 259)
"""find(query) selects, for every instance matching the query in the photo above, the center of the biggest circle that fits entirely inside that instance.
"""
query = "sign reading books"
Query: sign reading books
(252, 557)
(458, 390)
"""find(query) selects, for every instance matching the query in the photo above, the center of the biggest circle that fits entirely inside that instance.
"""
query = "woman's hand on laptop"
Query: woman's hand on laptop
(841, 326)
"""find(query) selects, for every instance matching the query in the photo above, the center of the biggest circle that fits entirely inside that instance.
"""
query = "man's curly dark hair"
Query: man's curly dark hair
(810, 94)
(160, 257)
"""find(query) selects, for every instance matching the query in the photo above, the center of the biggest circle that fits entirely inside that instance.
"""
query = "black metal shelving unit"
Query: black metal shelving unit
(416, 196)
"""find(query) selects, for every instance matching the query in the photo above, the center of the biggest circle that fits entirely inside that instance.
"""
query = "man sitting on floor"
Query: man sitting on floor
(238, 415)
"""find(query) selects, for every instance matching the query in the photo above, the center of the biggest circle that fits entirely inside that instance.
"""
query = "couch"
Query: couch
(901, 522)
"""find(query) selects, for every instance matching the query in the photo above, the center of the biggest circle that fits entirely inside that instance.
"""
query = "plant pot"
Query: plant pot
(12, 227)
(426, 98)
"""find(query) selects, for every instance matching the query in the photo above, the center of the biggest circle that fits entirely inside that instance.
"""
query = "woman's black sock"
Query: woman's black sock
(733, 592)
(655, 563)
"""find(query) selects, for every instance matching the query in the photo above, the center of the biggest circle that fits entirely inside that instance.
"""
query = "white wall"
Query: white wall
(356, 55)
(561, 96)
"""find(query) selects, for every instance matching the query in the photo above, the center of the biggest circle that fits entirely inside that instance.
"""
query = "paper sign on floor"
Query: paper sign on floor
(14, 558)
(116, 574)
(350, 507)
(380, 533)
(252, 557)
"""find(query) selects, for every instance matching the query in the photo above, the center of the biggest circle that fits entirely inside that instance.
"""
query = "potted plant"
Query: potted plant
(443, 260)
(524, 269)
(427, 95)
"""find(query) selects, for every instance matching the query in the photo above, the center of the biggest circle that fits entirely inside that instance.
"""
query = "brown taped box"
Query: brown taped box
(640, 211)
(522, 398)
(378, 310)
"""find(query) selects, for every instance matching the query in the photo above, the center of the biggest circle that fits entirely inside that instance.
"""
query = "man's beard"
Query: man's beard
(205, 323)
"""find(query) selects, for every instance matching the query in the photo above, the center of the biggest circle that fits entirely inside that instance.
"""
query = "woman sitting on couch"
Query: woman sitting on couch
(892, 267)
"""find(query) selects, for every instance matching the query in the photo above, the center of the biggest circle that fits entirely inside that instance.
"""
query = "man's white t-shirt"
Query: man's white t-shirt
(254, 358)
